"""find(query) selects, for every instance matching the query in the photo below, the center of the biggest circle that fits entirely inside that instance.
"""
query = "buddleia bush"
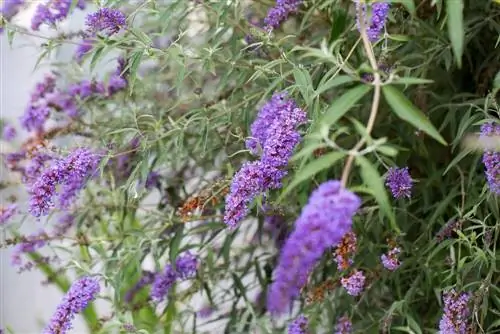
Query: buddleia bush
(263, 167)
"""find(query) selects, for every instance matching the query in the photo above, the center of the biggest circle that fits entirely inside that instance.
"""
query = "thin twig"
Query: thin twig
(375, 102)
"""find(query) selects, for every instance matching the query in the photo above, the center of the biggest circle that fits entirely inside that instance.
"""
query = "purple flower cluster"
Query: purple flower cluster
(35, 167)
(379, 14)
(52, 11)
(118, 79)
(283, 117)
(321, 225)
(280, 12)
(9, 132)
(28, 245)
(79, 295)
(343, 326)
(456, 313)
(106, 20)
(491, 160)
(83, 48)
(299, 325)
(153, 180)
(7, 212)
(390, 260)
(186, 266)
(399, 181)
(37, 111)
(10, 8)
(354, 283)
(70, 172)
(147, 278)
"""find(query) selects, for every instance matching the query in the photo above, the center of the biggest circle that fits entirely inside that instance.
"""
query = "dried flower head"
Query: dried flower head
(345, 251)
(390, 261)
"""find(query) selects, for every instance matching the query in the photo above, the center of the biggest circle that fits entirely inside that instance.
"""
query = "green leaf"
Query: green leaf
(454, 9)
(303, 81)
(97, 54)
(405, 110)
(409, 4)
(374, 181)
(135, 61)
(175, 243)
(312, 169)
(342, 104)
(412, 81)
(333, 82)
(339, 24)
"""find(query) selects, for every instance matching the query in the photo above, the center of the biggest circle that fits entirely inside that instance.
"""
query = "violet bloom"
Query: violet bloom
(86, 88)
(456, 313)
(343, 326)
(70, 172)
(186, 266)
(491, 160)
(29, 244)
(118, 80)
(379, 13)
(355, 283)
(153, 180)
(390, 261)
(298, 326)
(399, 181)
(52, 11)
(9, 132)
(37, 111)
(280, 12)
(10, 8)
(266, 116)
(321, 225)
(7, 212)
(147, 278)
(35, 167)
(83, 48)
(205, 312)
(81, 293)
(106, 20)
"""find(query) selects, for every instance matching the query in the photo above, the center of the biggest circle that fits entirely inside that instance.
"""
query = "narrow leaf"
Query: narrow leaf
(375, 183)
(342, 104)
(333, 82)
(405, 110)
(454, 9)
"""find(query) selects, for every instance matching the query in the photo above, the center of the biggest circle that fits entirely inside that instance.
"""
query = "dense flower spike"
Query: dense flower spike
(456, 313)
(298, 326)
(399, 181)
(354, 283)
(343, 326)
(106, 20)
(345, 251)
(7, 212)
(280, 12)
(35, 167)
(9, 132)
(491, 160)
(79, 295)
(266, 116)
(185, 268)
(321, 225)
(52, 11)
(390, 260)
(37, 111)
(378, 15)
(70, 172)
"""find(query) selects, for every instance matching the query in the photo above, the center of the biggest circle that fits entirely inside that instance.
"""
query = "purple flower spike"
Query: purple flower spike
(321, 225)
(456, 313)
(7, 212)
(355, 283)
(83, 48)
(390, 260)
(298, 326)
(79, 295)
(343, 326)
(491, 160)
(106, 20)
(379, 14)
(9, 132)
(51, 12)
(186, 266)
(400, 182)
(280, 12)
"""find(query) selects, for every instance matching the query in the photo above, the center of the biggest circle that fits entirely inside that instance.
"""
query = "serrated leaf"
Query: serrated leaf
(374, 181)
(454, 10)
(405, 110)
(342, 104)
(312, 169)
